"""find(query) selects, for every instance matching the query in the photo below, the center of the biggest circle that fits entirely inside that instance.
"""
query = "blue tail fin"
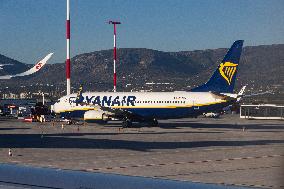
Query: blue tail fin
(223, 79)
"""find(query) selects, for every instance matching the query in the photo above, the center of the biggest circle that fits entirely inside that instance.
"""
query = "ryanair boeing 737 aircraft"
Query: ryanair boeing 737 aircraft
(212, 96)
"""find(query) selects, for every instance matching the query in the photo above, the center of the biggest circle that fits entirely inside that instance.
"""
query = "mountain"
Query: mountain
(261, 67)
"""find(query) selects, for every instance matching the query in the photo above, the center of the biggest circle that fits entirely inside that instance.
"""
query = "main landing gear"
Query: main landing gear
(155, 122)
(126, 123)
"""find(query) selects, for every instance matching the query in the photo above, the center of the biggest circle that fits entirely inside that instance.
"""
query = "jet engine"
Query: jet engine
(96, 116)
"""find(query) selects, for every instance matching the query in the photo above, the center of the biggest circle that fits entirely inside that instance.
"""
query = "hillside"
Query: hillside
(261, 67)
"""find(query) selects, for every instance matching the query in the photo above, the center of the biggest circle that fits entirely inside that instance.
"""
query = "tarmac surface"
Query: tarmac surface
(228, 150)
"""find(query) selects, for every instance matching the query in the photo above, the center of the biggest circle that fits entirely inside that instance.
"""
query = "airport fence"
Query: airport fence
(262, 111)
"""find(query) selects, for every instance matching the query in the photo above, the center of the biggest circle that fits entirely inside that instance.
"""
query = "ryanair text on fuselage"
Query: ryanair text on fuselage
(105, 100)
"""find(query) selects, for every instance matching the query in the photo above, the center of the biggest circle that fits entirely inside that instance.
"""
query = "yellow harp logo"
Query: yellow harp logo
(227, 71)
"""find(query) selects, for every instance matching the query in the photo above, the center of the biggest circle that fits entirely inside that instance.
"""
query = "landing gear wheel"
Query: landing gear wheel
(126, 123)
(155, 122)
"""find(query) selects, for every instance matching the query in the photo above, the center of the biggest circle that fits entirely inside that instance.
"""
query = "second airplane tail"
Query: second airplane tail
(223, 79)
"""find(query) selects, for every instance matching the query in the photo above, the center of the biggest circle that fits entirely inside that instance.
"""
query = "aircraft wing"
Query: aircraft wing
(242, 95)
(229, 96)
(34, 69)
(102, 114)
(14, 176)
(116, 113)
(256, 94)
(113, 112)
(5, 77)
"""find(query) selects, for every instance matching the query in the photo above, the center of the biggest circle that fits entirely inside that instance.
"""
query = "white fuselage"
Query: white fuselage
(145, 103)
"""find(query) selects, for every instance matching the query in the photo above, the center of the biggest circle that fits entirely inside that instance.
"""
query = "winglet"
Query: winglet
(240, 94)
(45, 59)
(242, 90)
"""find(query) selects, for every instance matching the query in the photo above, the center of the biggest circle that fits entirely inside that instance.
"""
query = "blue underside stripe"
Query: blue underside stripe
(161, 113)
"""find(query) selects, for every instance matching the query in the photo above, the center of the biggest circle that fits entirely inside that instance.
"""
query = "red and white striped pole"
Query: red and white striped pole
(114, 53)
(68, 49)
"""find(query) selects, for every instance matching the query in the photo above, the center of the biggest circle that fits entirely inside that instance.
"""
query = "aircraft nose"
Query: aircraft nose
(54, 108)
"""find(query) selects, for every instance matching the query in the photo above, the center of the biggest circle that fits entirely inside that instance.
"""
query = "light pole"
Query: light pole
(68, 82)
(114, 23)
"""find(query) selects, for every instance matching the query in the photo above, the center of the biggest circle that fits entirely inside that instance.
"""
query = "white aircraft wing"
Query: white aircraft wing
(256, 94)
(2, 65)
(34, 69)
(5, 77)
(242, 95)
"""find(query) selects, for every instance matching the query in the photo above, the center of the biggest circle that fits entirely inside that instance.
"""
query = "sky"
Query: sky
(30, 29)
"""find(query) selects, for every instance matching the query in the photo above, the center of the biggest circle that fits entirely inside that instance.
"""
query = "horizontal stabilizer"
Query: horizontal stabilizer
(221, 96)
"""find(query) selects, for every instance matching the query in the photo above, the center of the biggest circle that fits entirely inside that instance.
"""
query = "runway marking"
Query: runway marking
(28, 185)
(224, 183)
(192, 150)
(231, 184)
(16, 161)
(192, 162)
(177, 163)
(220, 171)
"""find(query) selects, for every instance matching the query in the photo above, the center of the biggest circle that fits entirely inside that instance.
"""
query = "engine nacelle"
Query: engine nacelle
(95, 116)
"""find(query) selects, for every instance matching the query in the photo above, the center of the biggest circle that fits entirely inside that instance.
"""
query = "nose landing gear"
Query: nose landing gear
(155, 122)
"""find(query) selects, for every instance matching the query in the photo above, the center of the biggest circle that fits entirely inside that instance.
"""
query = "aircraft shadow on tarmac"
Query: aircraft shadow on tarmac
(131, 133)
(62, 141)
(199, 125)
(220, 126)
(9, 128)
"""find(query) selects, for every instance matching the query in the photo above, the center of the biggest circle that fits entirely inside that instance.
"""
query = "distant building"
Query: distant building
(262, 111)
(23, 95)
(12, 106)
(10, 96)
(18, 102)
